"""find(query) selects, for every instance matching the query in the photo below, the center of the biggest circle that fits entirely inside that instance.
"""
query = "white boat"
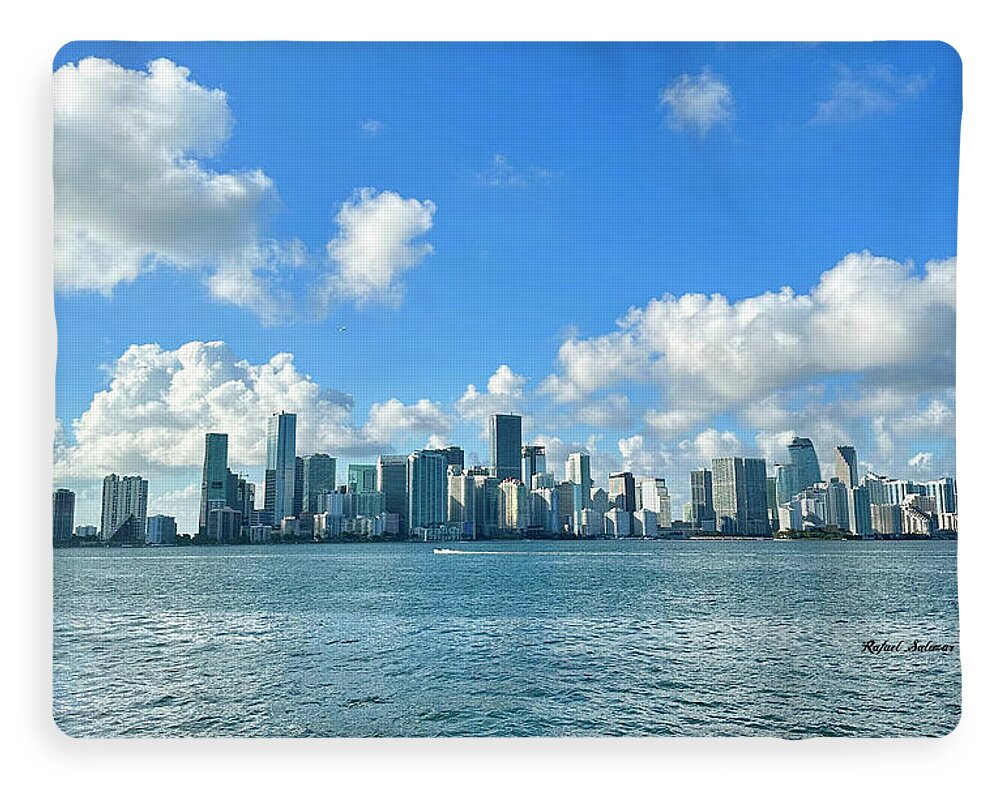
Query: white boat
(440, 551)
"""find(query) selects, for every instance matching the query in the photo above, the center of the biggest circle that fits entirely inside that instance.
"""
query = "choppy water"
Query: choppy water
(521, 639)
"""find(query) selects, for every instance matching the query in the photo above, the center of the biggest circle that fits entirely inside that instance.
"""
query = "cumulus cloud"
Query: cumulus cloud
(377, 242)
(877, 89)
(504, 393)
(392, 419)
(869, 316)
(372, 126)
(922, 461)
(501, 173)
(698, 103)
(132, 191)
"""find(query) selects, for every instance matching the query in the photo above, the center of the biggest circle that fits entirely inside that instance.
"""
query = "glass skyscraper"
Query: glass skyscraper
(280, 465)
(214, 477)
(63, 507)
(319, 476)
(505, 446)
(803, 456)
(739, 490)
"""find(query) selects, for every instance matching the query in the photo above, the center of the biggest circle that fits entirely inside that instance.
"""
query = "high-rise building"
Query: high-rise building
(655, 497)
(298, 493)
(772, 501)
(532, 462)
(886, 519)
(124, 499)
(846, 465)
(944, 495)
(427, 487)
(702, 506)
(362, 478)
(505, 446)
(319, 476)
(837, 506)
(739, 496)
(280, 461)
(161, 530)
(391, 480)
(569, 505)
(785, 484)
(621, 491)
(214, 476)
(486, 505)
(803, 456)
(461, 496)
(454, 456)
(63, 511)
(514, 507)
(599, 500)
(578, 472)
(859, 511)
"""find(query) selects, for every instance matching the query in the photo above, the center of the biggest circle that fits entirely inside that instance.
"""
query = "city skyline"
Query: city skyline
(572, 267)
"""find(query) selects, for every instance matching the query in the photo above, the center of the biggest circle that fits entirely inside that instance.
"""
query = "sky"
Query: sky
(657, 253)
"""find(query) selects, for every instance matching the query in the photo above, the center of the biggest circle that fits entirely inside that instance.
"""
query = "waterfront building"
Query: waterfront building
(454, 457)
(505, 447)
(515, 508)
(299, 490)
(161, 530)
(654, 496)
(543, 480)
(599, 500)
(785, 485)
(948, 521)
(123, 498)
(461, 496)
(837, 507)
(63, 512)
(886, 519)
(578, 472)
(803, 456)
(772, 501)
(427, 487)
(224, 525)
(859, 511)
(845, 460)
(621, 491)
(391, 481)
(645, 522)
(362, 478)
(569, 503)
(591, 523)
(789, 518)
(739, 496)
(319, 476)
(617, 523)
(544, 510)
(532, 461)
(702, 497)
(86, 531)
(487, 505)
(943, 493)
(280, 476)
(917, 515)
(241, 495)
(214, 476)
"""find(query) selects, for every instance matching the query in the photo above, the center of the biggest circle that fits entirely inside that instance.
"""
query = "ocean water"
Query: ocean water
(621, 638)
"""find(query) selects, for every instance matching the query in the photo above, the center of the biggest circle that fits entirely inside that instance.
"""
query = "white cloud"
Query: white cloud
(504, 393)
(707, 445)
(698, 103)
(376, 244)
(877, 89)
(132, 192)
(372, 126)
(393, 419)
(501, 173)
(612, 411)
(869, 316)
(921, 462)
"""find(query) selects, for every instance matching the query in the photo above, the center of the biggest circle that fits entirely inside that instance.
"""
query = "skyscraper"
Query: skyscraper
(846, 465)
(63, 509)
(427, 487)
(656, 498)
(702, 506)
(532, 462)
(298, 493)
(505, 446)
(803, 456)
(578, 472)
(454, 456)
(859, 511)
(785, 487)
(281, 462)
(621, 491)
(391, 481)
(214, 476)
(739, 491)
(319, 476)
(123, 500)
(944, 495)
(362, 478)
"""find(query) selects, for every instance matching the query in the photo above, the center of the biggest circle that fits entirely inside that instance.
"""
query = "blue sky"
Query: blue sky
(568, 183)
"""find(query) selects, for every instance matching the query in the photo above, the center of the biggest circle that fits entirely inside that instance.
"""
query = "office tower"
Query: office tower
(859, 511)
(645, 523)
(487, 505)
(161, 530)
(63, 510)
(391, 481)
(785, 483)
(803, 456)
(621, 490)
(837, 507)
(123, 500)
(532, 462)
(599, 500)
(702, 507)
(461, 496)
(739, 496)
(544, 517)
(542, 480)
(944, 495)
(917, 516)
(362, 478)
(214, 476)
(224, 525)
(319, 476)
(280, 462)
(886, 519)
(454, 456)
(427, 487)
(655, 497)
(569, 505)
(370, 503)
(300, 485)
(514, 507)
(617, 523)
(772, 501)
(846, 465)
(505, 447)
(241, 495)
(578, 471)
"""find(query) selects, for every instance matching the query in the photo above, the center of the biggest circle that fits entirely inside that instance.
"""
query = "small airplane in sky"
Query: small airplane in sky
(341, 329)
